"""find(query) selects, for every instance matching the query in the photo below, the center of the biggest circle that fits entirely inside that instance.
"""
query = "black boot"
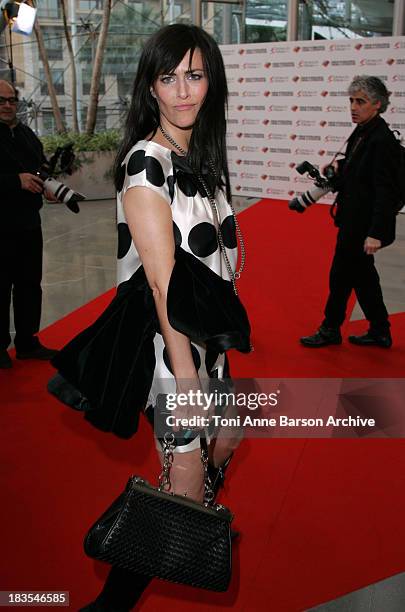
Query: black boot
(121, 591)
(5, 359)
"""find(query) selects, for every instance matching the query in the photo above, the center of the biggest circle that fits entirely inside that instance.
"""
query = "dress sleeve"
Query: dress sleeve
(149, 168)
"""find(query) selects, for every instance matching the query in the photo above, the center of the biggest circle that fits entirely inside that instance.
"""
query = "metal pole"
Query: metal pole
(227, 24)
(11, 61)
(171, 11)
(305, 22)
(292, 20)
(348, 11)
(398, 20)
(35, 113)
(243, 36)
(196, 16)
(237, 26)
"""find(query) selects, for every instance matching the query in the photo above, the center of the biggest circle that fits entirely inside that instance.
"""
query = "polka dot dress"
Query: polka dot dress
(150, 165)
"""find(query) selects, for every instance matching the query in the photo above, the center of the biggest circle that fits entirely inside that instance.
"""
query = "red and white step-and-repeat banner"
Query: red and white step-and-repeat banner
(288, 103)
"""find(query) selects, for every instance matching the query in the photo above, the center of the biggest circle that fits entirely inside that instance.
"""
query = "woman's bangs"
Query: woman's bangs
(170, 58)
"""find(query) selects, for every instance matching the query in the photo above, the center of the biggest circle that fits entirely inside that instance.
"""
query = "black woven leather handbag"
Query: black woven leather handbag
(158, 534)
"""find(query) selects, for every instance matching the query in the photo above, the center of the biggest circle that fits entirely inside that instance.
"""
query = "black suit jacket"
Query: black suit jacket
(368, 188)
(20, 151)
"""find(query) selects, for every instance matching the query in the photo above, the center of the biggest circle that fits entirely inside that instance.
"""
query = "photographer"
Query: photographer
(366, 204)
(21, 154)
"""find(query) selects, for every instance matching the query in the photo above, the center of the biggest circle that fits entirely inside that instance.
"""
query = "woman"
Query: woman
(172, 157)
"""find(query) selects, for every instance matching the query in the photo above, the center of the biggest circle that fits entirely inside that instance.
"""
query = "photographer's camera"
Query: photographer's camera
(64, 194)
(322, 185)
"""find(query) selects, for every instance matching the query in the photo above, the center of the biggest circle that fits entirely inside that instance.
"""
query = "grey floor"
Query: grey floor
(80, 264)
(385, 596)
(79, 256)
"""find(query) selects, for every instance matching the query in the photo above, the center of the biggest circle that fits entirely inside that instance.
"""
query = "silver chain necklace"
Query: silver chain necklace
(234, 276)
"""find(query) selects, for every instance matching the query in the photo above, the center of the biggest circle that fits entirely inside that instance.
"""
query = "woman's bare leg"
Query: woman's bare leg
(187, 474)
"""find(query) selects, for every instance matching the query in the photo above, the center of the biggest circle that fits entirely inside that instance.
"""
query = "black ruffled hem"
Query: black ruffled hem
(109, 366)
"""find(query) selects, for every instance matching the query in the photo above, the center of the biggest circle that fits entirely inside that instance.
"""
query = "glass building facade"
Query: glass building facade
(132, 21)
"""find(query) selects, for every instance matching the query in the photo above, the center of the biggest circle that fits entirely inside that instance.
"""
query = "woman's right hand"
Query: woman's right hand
(192, 409)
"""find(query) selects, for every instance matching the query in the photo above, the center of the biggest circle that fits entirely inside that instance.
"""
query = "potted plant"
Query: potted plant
(92, 168)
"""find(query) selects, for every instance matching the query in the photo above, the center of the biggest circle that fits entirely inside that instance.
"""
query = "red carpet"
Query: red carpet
(317, 518)
(284, 290)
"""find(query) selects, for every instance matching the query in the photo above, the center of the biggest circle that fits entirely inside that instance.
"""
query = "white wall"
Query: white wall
(288, 103)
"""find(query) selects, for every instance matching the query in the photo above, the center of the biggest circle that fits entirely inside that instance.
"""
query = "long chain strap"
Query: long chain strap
(208, 491)
(234, 276)
(169, 445)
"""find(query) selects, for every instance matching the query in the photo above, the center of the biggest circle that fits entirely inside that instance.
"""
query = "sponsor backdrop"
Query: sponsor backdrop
(288, 103)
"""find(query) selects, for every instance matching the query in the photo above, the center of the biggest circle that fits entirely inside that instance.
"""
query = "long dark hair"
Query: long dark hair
(161, 54)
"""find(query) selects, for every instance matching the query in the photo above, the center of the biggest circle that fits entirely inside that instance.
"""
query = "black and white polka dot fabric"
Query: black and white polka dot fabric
(149, 164)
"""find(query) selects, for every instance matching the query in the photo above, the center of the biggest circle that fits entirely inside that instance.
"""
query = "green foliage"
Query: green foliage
(103, 141)
(82, 144)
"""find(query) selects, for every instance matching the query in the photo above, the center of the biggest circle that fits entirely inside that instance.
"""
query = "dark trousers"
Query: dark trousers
(20, 278)
(351, 270)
